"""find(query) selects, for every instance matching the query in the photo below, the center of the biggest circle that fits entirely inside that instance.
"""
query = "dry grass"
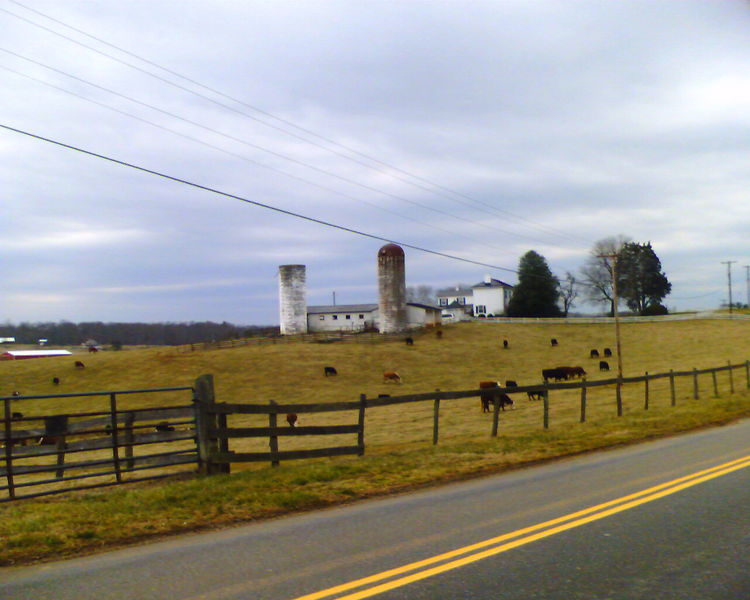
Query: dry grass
(398, 438)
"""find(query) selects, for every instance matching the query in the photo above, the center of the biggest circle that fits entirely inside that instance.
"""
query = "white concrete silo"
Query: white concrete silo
(293, 299)
(392, 289)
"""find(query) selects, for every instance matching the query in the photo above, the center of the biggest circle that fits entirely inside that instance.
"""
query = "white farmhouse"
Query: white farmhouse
(487, 298)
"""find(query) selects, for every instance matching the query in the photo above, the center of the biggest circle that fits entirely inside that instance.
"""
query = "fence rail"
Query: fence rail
(93, 445)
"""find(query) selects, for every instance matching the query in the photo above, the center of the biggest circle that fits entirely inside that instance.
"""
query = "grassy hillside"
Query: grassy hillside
(398, 439)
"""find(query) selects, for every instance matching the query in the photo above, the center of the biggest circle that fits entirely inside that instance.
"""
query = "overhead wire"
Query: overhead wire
(530, 224)
(258, 147)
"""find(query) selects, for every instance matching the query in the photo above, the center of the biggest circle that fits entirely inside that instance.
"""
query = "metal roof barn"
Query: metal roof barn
(23, 354)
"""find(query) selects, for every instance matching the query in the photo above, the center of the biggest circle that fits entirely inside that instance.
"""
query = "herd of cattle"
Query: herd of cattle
(487, 394)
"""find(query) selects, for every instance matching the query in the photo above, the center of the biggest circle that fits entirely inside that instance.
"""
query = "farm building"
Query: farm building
(489, 297)
(7, 340)
(24, 354)
(363, 317)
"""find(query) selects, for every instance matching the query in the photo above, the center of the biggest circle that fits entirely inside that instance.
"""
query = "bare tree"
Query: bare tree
(596, 272)
(568, 292)
(423, 294)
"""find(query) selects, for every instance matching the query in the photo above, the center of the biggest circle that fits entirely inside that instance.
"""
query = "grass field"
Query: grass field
(399, 452)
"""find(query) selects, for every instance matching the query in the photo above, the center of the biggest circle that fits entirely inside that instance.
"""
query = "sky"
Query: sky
(479, 130)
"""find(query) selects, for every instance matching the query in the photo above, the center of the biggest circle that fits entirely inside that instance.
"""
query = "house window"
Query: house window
(322, 317)
(462, 300)
(335, 317)
(361, 316)
(348, 316)
(480, 309)
(443, 301)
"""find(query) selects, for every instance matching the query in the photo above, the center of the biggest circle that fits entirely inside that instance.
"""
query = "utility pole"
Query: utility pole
(613, 258)
(728, 263)
(747, 283)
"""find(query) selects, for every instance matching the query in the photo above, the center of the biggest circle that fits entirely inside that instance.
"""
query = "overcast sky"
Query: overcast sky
(476, 129)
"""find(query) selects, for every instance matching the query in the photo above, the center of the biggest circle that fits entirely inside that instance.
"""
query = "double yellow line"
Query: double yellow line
(394, 578)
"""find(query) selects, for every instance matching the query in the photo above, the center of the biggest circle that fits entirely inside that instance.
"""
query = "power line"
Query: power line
(258, 147)
(253, 202)
(530, 223)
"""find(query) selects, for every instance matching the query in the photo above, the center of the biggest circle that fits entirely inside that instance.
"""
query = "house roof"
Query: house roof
(341, 308)
(425, 306)
(493, 283)
(454, 291)
(35, 353)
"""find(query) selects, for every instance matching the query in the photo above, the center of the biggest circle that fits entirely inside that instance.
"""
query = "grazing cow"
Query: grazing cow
(164, 426)
(572, 372)
(93, 349)
(538, 395)
(505, 344)
(607, 352)
(488, 400)
(603, 365)
(594, 353)
(409, 341)
(14, 394)
(578, 372)
(555, 374)
(291, 418)
(56, 380)
(79, 365)
(384, 395)
(510, 383)
(553, 341)
(329, 371)
(48, 440)
(439, 334)
(16, 415)
(391, 376)
(486, 397)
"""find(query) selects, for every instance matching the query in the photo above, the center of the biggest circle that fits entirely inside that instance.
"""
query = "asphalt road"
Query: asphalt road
(668, 519)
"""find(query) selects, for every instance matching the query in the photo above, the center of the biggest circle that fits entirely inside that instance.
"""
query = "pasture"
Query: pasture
(399, 452)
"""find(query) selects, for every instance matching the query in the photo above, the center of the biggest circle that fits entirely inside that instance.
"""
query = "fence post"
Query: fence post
(695, 383)
(9, 451)
(115, 444)
(495, 414)
(128, 442)
(583, 400)
(731, 377)
(203, 398)
(716, 385)
(671, 387)
(361, 423)
(435, 419)
(273, 440)
(545, 399)
(747, 373)
(618, 394)
(645, 392)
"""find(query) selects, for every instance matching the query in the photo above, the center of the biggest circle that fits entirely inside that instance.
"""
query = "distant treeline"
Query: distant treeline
(65, 333)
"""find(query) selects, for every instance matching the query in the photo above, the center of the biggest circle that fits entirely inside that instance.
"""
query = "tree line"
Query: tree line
(65, 333)
(634, 267)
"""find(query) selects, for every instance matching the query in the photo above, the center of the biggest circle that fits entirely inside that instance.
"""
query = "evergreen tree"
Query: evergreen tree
(640, 280)
(537, 291)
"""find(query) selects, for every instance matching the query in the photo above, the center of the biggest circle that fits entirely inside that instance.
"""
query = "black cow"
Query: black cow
(79, 365)
(409, 341)
(505, 344)
(164, 426)
(329, 371)
(594, 353)
(535, 395)
(556, 374)
(503, 399)
(607, 352)
(553, 341)
(56, 380)
(439, 334)
(603, 365)
(510, 383)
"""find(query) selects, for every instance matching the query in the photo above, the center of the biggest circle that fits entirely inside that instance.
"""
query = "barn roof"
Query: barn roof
(341, 308)
(34, 353)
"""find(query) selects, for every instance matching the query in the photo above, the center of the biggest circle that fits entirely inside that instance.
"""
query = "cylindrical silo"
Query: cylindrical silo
(392, 289)
(292, 299)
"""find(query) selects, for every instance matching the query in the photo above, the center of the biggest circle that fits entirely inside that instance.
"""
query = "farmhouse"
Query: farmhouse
(24, 354)
(489, 297)
(365, 317)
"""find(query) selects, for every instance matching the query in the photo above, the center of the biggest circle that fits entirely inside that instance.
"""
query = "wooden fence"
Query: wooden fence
(214, 434)
(53, 453)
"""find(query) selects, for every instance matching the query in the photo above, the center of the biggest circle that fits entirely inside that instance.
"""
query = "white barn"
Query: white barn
(364, 317)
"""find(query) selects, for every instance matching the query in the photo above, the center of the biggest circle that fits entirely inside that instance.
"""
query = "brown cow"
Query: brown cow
(79, 365)
(291, 418)
(391, 376)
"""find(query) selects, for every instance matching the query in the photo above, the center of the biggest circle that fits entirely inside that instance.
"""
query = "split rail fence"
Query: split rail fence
(202, 428)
